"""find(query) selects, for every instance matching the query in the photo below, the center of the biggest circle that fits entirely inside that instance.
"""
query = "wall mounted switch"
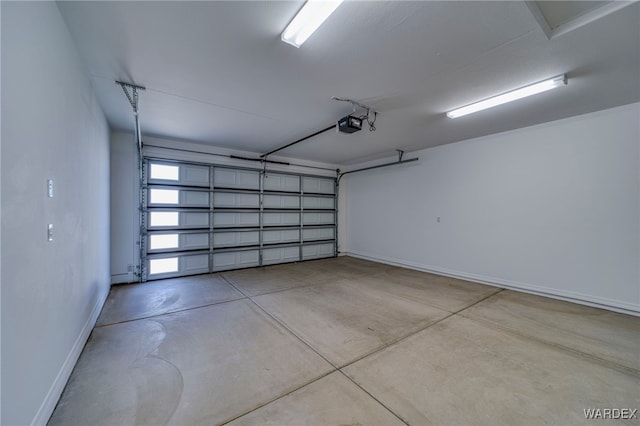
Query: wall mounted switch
(50, 188)
(50, 232)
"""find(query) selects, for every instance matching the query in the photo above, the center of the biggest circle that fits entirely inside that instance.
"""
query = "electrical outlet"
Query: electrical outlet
(129, 268)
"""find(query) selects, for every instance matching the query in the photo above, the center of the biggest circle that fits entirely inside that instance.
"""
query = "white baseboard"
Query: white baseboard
(582, 299)
(50, 401)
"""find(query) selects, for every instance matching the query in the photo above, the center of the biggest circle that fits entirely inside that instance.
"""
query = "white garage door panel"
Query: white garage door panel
(237, 179)
(284, 183)
(235, 260)
(281, 202)
(317, 251)
(239, 238)
(194, 220)
(194, 175)
(194, 241)
(204, 218)
(281, 236)
(313, 234)
(311, 218)
(271, 256)
(198, 264)
(194, 199)
(239, 200)
(318, 202)
(318, 185)
(281, 219)
(235, 219)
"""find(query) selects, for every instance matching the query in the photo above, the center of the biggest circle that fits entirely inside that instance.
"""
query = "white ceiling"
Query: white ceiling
(217, 72)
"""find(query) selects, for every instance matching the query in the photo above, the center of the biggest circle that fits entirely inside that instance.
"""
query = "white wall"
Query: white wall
(52, 127)
(552, 208)
(124, 183)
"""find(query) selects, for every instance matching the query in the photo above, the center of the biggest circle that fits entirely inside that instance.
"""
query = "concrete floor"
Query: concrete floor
(348, 342)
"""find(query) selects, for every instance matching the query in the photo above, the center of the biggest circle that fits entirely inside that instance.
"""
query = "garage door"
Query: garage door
(206, 218)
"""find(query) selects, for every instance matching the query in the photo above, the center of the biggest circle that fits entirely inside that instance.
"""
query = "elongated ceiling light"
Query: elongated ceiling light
(308, 19)
(513, 95)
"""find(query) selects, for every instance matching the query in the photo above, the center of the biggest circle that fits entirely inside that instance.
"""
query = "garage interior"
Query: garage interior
(205, 221)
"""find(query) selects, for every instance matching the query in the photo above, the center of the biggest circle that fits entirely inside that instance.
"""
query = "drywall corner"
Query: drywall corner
(124, 211)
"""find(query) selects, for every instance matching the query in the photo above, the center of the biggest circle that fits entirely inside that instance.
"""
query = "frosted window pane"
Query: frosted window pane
(164, 218)
(164, 241)
(164, 196)
(161, 266)
(161, 171)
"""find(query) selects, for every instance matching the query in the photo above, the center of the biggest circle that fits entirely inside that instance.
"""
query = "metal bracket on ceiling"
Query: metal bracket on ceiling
(133, 100)
(400, 154)
(133, 96)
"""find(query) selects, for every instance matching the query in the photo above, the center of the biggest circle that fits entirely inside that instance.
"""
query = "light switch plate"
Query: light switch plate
(50, 188)
(50, 232)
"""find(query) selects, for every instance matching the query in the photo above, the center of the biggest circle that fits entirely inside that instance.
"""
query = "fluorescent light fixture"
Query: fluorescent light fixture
(308, 19)
(513, 95)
